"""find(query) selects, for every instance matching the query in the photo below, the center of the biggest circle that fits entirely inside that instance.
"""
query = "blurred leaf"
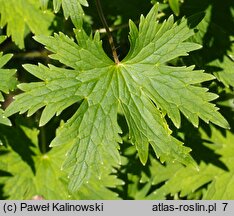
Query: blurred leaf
(184, 182)
(226, 65)
(7, 81)
(175, 6)
(215, 34)
(222, 186)
(21, 14)
(71, 8)
(42, 174)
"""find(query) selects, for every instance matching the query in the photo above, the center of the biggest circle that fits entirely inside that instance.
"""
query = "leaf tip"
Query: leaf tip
(41, 123)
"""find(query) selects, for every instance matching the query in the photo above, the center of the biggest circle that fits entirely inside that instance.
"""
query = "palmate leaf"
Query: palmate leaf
(21, 14)
(42, 174)
(133, 86)
(7, 81)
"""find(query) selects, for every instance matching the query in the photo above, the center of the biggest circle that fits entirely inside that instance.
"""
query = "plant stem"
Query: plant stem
(111, 41)
(125, 25)
(32, 54)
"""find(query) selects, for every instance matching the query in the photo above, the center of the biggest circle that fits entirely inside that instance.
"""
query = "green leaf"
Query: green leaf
(181, 180)
(222, 185)
(7, 83)
(142, 86)
(171, 88)
(73, 9)
(42, 174)
(184, 182)
(44, 4)
(21, 14)
(2, 38)
(218, 46)
(175, 6)
(4, 120)
(226, 65)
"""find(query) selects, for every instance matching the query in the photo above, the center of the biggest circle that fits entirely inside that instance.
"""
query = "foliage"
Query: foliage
(8, 82)
(125, 129)
(21, 15)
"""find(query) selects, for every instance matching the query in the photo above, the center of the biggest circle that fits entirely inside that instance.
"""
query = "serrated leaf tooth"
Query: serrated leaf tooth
(47, 114)
(23, 111)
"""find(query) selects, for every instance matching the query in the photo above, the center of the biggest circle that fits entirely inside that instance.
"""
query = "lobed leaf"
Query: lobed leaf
(143, 86)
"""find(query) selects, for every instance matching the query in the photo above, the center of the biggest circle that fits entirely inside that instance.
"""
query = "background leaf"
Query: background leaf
(174, 4)
(22, 14)
(7, 80)
(71, 8)
(42, 172)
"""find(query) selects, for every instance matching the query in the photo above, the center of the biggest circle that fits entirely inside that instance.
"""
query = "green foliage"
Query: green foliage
(184, 181)
(23, 14)
(174, 4)
(71, 8)
(129, 85)
(8, 81)
(219, 37)
(129, 129)
(42, 173)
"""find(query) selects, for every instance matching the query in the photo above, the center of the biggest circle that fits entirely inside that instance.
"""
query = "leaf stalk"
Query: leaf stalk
(110, 38)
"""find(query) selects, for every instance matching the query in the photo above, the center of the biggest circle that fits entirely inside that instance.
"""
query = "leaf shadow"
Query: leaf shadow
(16, 138)
(216, 39)
(131, 171)
(2, 197)
(193, 139)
